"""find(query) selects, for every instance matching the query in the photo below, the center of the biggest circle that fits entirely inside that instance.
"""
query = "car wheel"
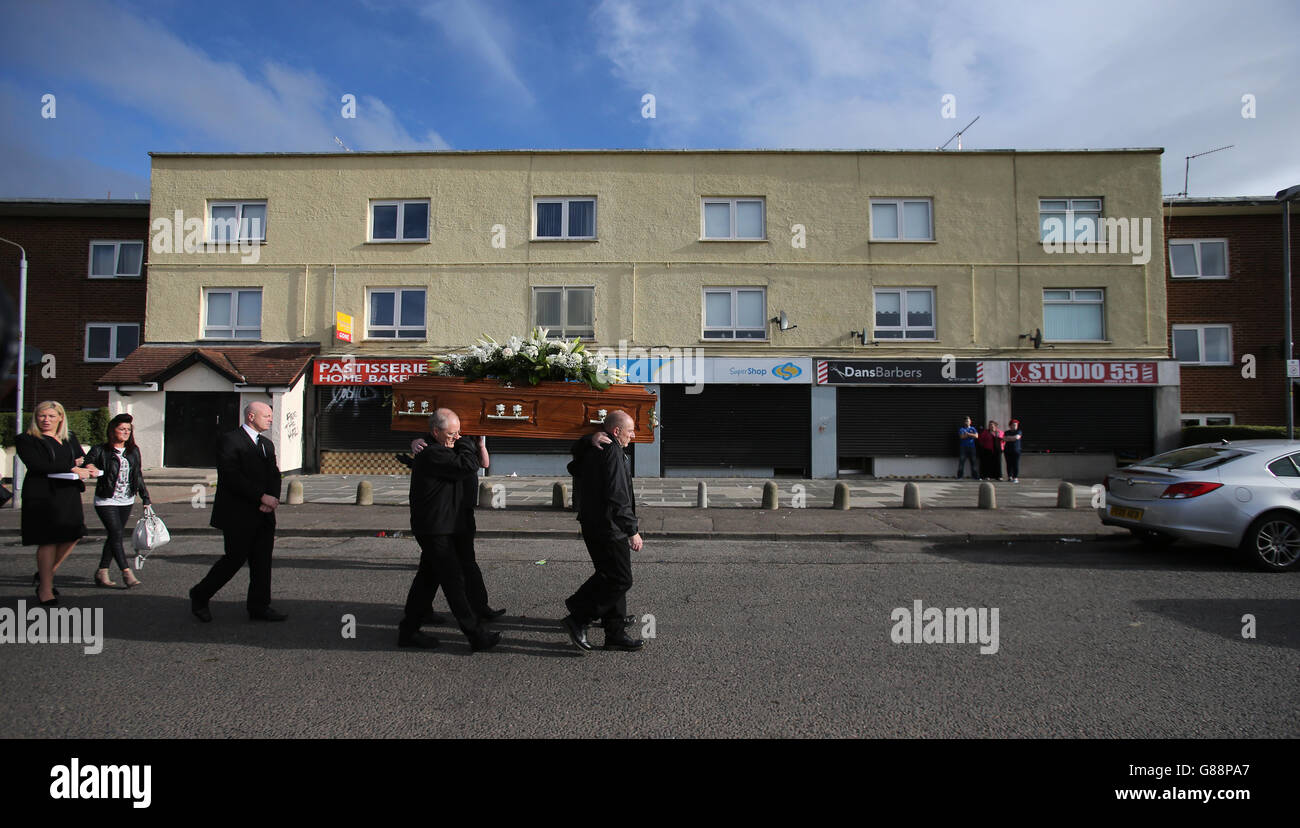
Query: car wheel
(1153, 538)
(1273, 542)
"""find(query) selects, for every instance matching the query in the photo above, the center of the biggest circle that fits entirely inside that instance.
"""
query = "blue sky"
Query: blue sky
(130, 77)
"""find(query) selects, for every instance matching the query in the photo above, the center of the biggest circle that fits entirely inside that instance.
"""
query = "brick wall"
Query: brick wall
(1250, 300)
(61, 299)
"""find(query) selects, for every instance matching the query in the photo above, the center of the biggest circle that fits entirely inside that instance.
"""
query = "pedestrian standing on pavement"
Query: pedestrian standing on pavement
(607, 513)
(122, 480)
(248, 493)
(990, 447)
(438, 489)
(1013, 436)
(966, 448)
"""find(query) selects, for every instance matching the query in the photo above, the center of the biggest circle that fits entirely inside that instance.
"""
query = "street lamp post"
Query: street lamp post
(1286, 197)
(21, 364)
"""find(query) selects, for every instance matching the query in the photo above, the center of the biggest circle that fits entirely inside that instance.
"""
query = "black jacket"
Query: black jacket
(244, 474)
(438, 487)
(607, 502)
(41, 458)
(104, 457)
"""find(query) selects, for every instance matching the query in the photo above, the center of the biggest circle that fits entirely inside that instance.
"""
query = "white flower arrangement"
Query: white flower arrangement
(530, 361)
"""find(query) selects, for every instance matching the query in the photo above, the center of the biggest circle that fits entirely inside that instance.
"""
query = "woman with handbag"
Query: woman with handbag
(122, 480)
(52, 519)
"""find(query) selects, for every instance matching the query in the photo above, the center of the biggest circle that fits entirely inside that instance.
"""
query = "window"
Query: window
(1074, 315)
(1207, 419)
(735, 313)
(233, 314)
(236, 221)
(901, 219)
(1286, 466)
(565, 311)
(732, 218)
(399, 221)
(906, 313)
(564, 218)
(1070, 219)
(116, 259)
(396, 313)
(1198, 258)
(1203, 344)
(110, 342)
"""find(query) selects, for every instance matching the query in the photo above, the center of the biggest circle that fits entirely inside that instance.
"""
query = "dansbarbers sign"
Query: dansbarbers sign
(899, 372)
(1083, 373)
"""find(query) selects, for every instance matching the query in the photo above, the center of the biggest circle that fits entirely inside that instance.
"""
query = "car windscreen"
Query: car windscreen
(1194, 458)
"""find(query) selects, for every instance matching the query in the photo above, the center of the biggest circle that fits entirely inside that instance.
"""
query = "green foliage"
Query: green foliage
(89, 425)
(1213, 434)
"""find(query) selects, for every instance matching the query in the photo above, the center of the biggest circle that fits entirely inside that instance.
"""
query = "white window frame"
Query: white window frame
(397, 328)
(903, 326)
(1073, 301)
(732, 328)
(565, 235)
(1196, 247)
(112, 340)
(1070, 212)
(1200, 344)
(1203, 419)
(761, 201)
(400, 204)
(117, 258)
(239, 217)
(566, 330)
(234, 315)
(898, 203)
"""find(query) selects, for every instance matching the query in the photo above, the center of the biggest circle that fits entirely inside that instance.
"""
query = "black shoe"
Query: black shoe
(432, 617)
(484, 641)
(53, 602)
(490, 614)
(417, 639)
(267, 614)
(577, 632)
(623, 642)
(36, 581)
(200, 609)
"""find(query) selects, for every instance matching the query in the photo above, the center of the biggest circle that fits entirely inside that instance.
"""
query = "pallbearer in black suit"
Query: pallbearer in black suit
(607, 511)
(248, 492)
(438, 488)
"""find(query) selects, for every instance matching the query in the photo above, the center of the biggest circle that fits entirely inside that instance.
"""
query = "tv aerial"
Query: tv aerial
(958, 135)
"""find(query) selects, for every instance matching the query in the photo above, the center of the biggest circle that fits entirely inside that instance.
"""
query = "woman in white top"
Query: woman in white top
(122, 480)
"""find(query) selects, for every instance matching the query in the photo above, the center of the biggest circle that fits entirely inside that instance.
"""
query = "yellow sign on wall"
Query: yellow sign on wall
(343, 327)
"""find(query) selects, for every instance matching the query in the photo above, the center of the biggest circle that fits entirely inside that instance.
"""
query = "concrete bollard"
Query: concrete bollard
(841, 499)
(365, 493)
(559, 496)
(295, 492)
(1065, 496)
(911, 496)
(769, 495)
(701, 495)
(988, 496)
(484, 496)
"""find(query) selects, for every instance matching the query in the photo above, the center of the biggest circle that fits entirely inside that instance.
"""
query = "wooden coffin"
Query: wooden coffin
(553, 410)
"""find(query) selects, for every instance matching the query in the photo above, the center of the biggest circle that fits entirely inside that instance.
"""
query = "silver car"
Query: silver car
(1244, 494)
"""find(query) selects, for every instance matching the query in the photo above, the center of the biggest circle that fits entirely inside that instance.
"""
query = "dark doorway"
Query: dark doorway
(193, 421)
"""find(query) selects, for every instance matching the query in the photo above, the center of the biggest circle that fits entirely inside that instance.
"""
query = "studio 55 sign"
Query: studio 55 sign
(1083, 373)
(899, 372)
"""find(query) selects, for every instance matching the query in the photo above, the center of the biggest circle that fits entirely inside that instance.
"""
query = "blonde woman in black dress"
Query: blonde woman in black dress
(52, 519)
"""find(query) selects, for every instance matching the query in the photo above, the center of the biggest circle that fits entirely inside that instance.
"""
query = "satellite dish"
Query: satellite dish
(783, 321)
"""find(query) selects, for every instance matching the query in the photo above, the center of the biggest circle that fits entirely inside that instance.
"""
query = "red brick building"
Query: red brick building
(1223, 260)
(86, 273)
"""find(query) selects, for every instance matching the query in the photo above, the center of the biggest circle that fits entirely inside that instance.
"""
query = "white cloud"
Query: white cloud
(487, 39)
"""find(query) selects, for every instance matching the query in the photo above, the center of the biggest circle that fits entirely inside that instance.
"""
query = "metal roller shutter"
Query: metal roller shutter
(898, 422)
(358, 418)
(737, 425)
(1102, 420)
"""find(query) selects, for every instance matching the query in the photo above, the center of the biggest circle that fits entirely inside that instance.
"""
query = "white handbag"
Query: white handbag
(150, 532)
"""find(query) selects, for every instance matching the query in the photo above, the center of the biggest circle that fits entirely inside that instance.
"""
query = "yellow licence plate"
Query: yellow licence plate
(1127, 514)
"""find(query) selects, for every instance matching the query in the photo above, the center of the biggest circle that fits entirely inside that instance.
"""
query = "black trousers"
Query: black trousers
(440, 564)
(604, 594)
(475, 588)
(1013, 463)
(114, 519)
(990, 463)
(254, 546)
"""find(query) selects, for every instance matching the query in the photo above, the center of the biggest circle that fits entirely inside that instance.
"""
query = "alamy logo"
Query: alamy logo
(55, 625)
(77, 781)
(950, 625)
(1079, 235)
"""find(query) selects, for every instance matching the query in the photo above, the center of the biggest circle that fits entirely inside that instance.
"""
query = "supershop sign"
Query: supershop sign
(1083, 373)
(368, 371)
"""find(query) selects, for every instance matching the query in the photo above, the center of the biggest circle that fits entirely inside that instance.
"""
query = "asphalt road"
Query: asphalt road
(1104, 639)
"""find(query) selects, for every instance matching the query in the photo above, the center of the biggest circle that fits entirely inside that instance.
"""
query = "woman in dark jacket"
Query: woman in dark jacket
(52, 519)
(122, 480)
